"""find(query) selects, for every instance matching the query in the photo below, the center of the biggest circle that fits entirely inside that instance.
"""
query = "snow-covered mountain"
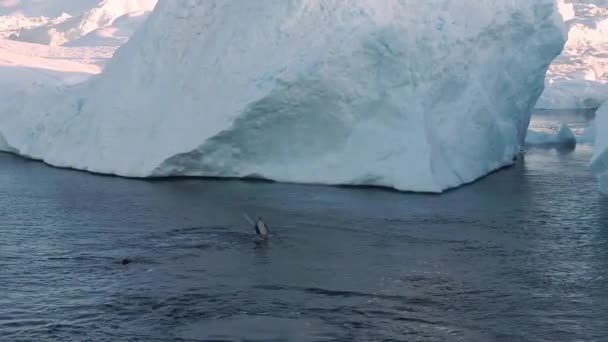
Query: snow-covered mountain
(408, 94)
(45, 8)
(104, 22)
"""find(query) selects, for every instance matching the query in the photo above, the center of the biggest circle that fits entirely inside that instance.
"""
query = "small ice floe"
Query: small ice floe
(562, 138)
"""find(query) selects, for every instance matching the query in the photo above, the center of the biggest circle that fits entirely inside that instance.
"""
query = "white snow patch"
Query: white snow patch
(11, 25)
(36, 76)
(63, 60)
(566, 10)
(114, 35)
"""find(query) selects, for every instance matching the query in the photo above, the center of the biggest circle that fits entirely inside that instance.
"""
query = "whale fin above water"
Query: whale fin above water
(260, 227)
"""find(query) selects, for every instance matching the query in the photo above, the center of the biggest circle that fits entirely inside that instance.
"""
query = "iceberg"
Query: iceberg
(412, 95)
(587, 137)
(563, 137)
(573, 94)
(578, 78)
(599, 163)
(4, 147)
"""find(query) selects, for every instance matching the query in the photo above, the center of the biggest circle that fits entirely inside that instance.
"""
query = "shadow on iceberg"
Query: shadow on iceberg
(4, 146)
(308, 132)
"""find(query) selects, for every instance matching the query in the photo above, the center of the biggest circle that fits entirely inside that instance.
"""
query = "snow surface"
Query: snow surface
(578, 78)
(32, 72)
(563, 137)
(407, 94)
(116, 34)
(45, 8)
(599, 163)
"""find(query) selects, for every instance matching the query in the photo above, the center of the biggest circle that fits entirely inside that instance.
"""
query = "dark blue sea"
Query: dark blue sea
(521, 255)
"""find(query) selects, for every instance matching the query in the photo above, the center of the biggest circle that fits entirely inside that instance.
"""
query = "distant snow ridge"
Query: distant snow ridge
(405, 94)
(45, 8)
(116, 34)
(99, 19)
(11, 25)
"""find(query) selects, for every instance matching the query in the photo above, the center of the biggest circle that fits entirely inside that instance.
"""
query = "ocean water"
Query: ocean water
(521, 255)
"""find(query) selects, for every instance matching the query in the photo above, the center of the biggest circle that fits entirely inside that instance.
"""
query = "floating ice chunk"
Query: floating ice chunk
(563, 137)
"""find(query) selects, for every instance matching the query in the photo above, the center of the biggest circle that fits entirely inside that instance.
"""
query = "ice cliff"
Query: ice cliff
(415, 95)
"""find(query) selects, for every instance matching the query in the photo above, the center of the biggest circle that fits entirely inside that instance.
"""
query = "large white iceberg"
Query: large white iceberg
(415, 95)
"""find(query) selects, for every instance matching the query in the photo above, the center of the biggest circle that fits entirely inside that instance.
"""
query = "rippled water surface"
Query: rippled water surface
(520, 256)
